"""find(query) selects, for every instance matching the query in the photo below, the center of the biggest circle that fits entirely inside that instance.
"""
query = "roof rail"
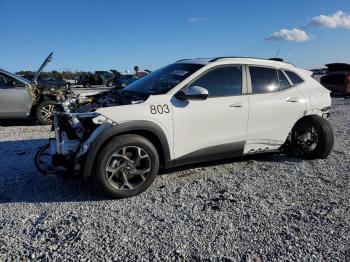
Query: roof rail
(276, 59)
(182, 60)
(223, 57)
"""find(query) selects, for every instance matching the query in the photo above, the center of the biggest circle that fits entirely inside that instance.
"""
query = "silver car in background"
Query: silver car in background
(21, 98)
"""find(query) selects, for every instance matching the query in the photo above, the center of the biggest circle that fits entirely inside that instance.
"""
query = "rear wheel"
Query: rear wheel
(44, 111)
(313, 137)
(126, 166)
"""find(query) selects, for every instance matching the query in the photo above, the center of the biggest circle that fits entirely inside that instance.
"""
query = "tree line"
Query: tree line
(54, 74)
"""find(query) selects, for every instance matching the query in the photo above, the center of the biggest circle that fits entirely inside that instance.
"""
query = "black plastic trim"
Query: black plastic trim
(219, 152)
(125, 128)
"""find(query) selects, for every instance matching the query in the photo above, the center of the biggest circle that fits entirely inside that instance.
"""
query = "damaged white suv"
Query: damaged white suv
(187, 112)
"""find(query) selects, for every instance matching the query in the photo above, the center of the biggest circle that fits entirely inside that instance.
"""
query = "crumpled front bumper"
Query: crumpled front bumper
(62, 154)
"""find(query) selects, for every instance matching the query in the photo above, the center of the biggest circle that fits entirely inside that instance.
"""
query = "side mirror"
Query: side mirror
(192, 93)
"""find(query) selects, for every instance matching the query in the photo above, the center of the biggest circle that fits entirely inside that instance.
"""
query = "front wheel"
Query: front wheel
(126, 166)
(313, 137)
(44, 111)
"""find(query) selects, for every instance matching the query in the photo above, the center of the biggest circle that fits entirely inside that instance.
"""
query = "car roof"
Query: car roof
(277, 62)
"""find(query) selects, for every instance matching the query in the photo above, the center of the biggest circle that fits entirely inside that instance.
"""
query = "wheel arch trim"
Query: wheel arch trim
(128, 128)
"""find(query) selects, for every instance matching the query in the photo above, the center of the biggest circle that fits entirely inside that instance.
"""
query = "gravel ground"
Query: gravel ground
(261, 208)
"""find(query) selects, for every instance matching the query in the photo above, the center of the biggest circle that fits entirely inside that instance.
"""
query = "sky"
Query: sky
(106, 34)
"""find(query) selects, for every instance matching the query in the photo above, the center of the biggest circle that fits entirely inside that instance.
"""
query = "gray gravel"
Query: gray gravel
(261, 208)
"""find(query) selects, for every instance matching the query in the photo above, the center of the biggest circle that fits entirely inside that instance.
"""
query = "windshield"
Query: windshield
(164, 79)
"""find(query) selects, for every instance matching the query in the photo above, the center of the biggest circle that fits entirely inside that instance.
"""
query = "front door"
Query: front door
(14, 97)
(215, 127)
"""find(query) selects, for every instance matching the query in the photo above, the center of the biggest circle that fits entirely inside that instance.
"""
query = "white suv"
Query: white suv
(187, 112)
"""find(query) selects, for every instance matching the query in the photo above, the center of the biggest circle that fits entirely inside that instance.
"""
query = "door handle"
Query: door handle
(237, 105)
(294, 99)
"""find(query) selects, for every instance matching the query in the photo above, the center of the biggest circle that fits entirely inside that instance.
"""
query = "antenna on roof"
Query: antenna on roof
(278, 51)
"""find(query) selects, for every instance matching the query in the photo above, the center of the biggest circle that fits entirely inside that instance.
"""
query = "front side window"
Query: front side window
(283, 80)
(263, 79)
(221, 81)
(9, 82)
(296, 80)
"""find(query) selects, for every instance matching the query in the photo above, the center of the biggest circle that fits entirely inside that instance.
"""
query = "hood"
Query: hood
(338, 67)
(47, 60)
(108, 99)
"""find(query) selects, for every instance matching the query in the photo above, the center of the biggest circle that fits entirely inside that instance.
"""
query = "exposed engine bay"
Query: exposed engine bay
(59, 94)
(107, 99)
(76, 126)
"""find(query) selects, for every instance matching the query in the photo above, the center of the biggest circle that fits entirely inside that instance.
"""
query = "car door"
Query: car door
(215, 127)
(14, 97)
(275, 106)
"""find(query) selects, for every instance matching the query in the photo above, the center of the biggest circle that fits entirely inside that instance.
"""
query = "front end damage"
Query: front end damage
(74, 134)
(76, 125)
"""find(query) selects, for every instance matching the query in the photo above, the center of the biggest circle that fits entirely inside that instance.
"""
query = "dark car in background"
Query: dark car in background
(121, 81)
(96, 78)
(337, 79)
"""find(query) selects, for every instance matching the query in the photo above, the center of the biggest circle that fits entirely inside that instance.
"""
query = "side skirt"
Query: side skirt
(213, 153)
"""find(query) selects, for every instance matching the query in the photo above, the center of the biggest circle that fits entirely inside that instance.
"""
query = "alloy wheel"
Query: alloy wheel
(47, 112)
(128, 168)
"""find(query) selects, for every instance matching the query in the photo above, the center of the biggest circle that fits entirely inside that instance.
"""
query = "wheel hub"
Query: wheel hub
(307, 139)
(128, 168)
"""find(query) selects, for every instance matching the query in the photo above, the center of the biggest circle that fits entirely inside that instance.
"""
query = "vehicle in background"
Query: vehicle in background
(96, 78)
(319, 71)
(121, 81)
(20, 97)
(48, 81)
(337, 80)
(71, 82)
(113, 78)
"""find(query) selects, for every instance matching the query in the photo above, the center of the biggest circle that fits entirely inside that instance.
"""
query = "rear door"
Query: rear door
(14, 97)
(275, 105)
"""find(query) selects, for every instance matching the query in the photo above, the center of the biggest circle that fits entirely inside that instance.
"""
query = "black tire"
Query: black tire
(41, 113)
(114, 185)
(323, 133)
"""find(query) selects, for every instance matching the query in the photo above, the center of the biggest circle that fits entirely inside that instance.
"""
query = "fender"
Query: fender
(128, 127)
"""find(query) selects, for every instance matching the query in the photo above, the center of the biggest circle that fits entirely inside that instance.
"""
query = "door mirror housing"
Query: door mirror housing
(193, 93)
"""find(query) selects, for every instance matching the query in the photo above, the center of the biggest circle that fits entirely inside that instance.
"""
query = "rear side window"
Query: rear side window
(296, 80)
(221, 81)
(284, 82)
(264, 80)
